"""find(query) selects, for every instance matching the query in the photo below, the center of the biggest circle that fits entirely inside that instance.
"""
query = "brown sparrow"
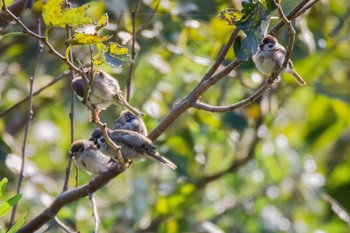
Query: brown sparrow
(88, 158)
(104, 91)
(270, 57)
(129, 121)
(133, 146)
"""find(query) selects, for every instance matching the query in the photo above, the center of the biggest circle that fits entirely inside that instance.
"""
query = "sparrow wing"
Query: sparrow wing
(140, 144)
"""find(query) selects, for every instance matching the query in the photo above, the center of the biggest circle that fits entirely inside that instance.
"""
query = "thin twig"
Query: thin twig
(26, 130)
(291, 15)
(16, 7)
(291, 38)
(63, 226)
(207, 82)
(242, 103)
(37, 92)
(133, 53)
(42, 39)
(95, 213)
(236, 163)
(95, 118)
(149, 19)
(71, 121)
(222, 54)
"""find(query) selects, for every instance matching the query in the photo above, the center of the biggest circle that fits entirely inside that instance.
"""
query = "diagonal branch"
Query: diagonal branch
(148, 19)
(209, 80)
(70, 196)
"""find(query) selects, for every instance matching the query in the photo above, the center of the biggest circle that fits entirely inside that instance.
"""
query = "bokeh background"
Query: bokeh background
(281, 164)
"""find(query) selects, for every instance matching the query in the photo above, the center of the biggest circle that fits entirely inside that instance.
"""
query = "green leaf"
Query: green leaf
(3, 185)
(6, 206)
(249, 45)
(19, 224)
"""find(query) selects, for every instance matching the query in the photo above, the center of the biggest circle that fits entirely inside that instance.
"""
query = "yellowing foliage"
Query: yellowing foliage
(57, 14)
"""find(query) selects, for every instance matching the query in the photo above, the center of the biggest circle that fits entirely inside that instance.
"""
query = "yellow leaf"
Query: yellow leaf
(81, 38)
(117, 50)
(57, 14)
(231, 16)
(102, 22)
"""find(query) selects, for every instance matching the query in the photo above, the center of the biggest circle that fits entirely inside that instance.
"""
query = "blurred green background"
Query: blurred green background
(263, 168)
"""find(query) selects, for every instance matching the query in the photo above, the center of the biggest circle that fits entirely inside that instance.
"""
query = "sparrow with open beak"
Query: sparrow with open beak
(129, 121)
(88, 158)
(104, 91)
(270, 57)
(133, 146)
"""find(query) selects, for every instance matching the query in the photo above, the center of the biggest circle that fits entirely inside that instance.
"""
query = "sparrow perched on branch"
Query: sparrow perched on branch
(129, 121)
(104, 91)
(133, 146)
(270, 57)
(88, 158)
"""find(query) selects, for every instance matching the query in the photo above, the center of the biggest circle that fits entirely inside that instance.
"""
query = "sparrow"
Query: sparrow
(270, 57)
(129, 121)
(88, 158)
(133, 146)
(104, 91)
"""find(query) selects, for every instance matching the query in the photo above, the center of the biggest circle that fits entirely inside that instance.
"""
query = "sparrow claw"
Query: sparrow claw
(94, 117)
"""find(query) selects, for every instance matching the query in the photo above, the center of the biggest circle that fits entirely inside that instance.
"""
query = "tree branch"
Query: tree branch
(295, 12)
(242, 103)
(71, 121)
(94, 212)
(17, 8)
(209, 80)
(70, 196)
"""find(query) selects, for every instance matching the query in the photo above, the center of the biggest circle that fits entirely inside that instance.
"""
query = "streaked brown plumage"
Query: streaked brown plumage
(134, 146)
(104, 91)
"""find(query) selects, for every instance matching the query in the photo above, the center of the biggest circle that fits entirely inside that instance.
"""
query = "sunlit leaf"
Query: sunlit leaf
(231, 16)
(102, 22)
(3, 183)
(57, 14)
(6, 206)
(84, 39)
(117, 50)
